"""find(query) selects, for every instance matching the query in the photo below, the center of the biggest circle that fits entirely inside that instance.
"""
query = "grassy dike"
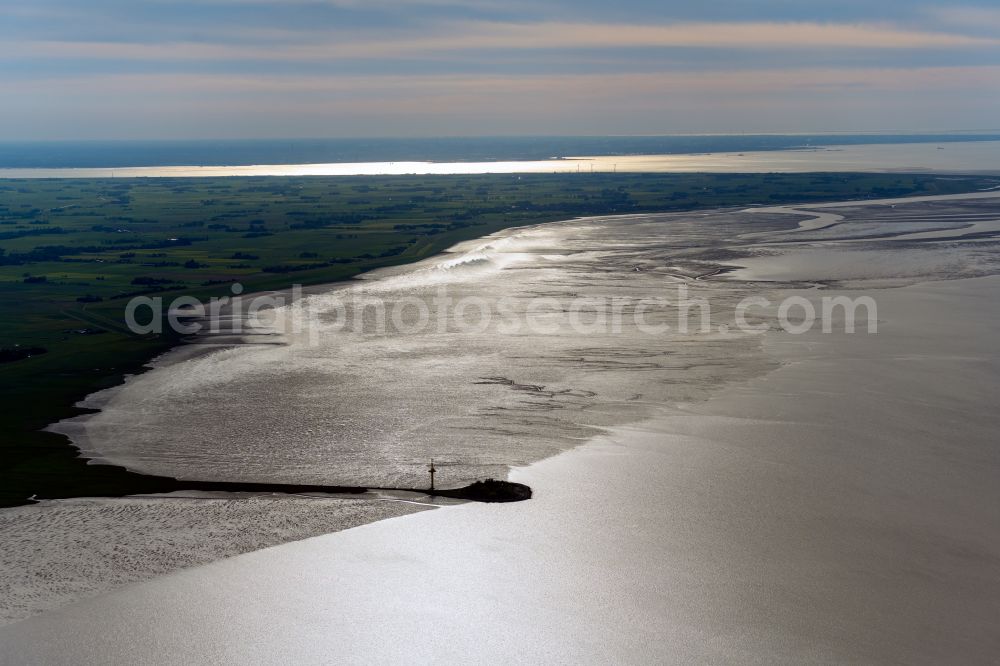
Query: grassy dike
(72, 253)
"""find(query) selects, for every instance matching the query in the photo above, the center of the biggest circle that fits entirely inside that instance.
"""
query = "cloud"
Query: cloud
(766, 100)
(706, 35)
(614, 87)
(217, 105)
(283, 68)
(974, 18)
(320, 45)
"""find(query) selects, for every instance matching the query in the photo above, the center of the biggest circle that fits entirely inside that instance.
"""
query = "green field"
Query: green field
(72, 253)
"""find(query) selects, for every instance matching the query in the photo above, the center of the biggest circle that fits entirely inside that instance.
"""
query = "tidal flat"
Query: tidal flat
(836, 502)
(486, 403)
(77, 251)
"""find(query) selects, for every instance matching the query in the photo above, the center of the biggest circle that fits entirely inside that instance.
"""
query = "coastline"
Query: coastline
(97, 509)
(87, 474)
(305, 532)
(751, 531)
(42, 464)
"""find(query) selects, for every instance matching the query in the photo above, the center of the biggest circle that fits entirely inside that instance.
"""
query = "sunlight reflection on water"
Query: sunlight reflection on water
(958, 156)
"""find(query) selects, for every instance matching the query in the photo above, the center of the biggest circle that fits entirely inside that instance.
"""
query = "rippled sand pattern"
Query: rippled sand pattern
(57, 552)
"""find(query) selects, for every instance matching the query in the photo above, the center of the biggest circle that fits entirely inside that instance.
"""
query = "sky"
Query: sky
(167, 69)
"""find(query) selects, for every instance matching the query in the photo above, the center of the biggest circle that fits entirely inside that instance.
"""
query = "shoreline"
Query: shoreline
(148, 483)
(38, 459)
(751, 531)
(515, 473)
(138, 482)
(90, 515)
(495, 491)
(93, 477)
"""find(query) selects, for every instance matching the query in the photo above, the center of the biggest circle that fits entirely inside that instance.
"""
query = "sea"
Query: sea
(330, 157)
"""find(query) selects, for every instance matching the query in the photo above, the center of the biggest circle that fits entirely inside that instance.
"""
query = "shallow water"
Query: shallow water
(56, 552)
(842, 509)
(344, 401)
(371, 407)
(787, 517)
(880, 243)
